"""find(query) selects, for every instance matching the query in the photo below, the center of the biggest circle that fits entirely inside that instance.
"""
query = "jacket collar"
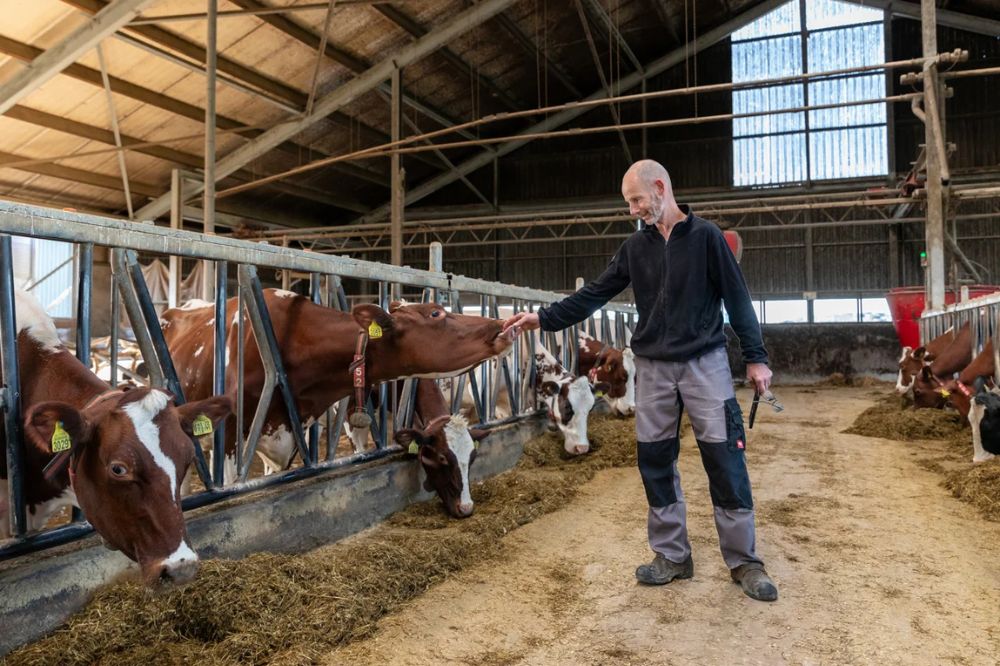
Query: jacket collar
(680, 229)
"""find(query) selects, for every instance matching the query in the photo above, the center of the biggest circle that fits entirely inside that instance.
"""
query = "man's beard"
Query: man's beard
(655, 209)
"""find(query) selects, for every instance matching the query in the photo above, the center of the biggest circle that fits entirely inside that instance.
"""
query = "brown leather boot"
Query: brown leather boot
(755, 582)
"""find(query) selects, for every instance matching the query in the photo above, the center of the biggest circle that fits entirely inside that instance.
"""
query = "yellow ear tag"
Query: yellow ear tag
(61, 440)
(374, 331)
(945, 393)
(599, 394)
(413, 449)
(201, 426)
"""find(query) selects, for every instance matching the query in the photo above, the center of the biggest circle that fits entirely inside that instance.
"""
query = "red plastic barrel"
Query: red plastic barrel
(735, 243)
(907, 304)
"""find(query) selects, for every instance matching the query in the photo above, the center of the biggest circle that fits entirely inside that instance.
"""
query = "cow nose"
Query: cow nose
(465, 509)
(177, 573)
(580, 449)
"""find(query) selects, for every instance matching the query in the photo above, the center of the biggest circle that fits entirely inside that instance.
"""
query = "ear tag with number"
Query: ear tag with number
(374, 331)
(61, 440)
(413, 449)
(201, 426)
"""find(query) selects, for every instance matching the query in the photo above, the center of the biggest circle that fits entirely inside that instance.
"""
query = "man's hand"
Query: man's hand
(522, 321)
(760, 376)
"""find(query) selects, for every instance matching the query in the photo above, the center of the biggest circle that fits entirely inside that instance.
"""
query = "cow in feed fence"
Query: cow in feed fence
(913, 360)
(318, 346)
(118, 455)
(445, 446)
(569, 400)
(932, 377)
(603, 364)
(973, 399)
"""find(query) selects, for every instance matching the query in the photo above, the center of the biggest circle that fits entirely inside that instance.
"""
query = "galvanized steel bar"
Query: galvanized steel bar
(221, 360)
(11, 390)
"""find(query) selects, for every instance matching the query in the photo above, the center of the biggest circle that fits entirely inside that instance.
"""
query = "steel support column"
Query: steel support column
(934, 229)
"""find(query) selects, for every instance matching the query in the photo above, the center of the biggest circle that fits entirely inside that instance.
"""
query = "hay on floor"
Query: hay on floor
(888, 420)
(978, 485)
(292, 609)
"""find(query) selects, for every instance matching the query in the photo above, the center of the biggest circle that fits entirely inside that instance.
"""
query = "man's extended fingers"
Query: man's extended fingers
(513, 321)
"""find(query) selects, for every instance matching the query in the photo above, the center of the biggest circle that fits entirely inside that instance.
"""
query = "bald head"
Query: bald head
(648, 172)
(646, 187)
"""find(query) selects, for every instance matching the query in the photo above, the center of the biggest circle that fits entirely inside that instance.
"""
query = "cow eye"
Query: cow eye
(118, 469)
(435, 313)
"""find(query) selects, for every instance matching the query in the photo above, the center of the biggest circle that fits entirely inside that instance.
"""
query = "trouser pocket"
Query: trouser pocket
(736, 437)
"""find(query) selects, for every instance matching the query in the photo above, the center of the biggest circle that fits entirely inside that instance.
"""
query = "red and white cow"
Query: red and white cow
(912, 360)
(569, 400)
(317, 347)
(445, 446)
(603, 364)
(969, 394)
(122, 454)
(931, 377)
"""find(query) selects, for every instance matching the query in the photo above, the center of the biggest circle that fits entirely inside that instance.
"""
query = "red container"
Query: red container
(907, 304)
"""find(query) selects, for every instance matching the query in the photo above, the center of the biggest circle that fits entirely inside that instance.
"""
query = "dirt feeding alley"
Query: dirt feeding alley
(875, 561)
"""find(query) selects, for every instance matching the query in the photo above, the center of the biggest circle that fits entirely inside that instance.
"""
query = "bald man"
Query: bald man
(681, 271)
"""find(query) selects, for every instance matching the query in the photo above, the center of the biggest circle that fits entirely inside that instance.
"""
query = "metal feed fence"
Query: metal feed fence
(238, 261)
(983, 316)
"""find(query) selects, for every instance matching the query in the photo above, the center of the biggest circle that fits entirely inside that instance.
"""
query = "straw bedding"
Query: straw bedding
(291, 609)
(977, 484)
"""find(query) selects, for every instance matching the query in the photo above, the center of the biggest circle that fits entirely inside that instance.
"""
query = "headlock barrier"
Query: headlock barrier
(982, 314)
(237, 260)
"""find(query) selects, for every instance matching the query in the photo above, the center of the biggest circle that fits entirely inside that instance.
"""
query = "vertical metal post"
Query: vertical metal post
(115, 327)
(176, 222)
(315, 281)
(219, 370)
(208, 202)
(645, 138)
(395, 172)
(85, 287)
(435, 264)
(934, 227)
(240, 363)
(890, 116)
(804, 32)
(810, 275)
(12, 389)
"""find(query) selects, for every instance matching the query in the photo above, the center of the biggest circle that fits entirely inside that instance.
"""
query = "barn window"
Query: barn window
(46, 269)
(795, 147)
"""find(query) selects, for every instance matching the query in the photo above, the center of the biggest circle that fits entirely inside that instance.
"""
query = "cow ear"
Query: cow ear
(410, 439)
(478, 435)
(549, 388)
(203, 416)
(919, 353)
(925, 373)
(373, 319)
(54, 427)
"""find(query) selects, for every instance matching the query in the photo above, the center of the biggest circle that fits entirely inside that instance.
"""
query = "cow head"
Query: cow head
(569, 400)
(130, 454)
(927, 390)
(425, 340)
(908, 369)
(446, 448)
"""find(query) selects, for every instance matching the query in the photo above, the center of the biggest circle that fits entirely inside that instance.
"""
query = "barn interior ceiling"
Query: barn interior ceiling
(103, 101)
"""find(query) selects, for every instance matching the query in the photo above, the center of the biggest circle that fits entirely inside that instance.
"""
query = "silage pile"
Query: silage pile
(887, 419)
(292, 609)
(977, 484)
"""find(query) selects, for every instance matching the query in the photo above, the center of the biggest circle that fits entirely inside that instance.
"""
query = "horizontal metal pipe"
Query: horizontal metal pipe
(305, 7)
(28, 220)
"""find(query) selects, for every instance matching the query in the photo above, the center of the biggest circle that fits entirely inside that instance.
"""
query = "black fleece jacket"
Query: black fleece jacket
(679, 288)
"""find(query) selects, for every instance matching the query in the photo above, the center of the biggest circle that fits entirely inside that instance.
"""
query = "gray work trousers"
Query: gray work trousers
(703, 386)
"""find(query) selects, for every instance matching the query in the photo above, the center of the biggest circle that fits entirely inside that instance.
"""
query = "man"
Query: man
(681, 271)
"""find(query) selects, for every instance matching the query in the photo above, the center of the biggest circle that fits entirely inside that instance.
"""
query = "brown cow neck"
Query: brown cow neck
(955, 357)
(54, 376)
(981, 366)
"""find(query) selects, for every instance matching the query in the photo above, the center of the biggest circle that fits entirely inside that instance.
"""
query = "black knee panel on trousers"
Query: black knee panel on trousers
(656, 465)
(725, 463)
